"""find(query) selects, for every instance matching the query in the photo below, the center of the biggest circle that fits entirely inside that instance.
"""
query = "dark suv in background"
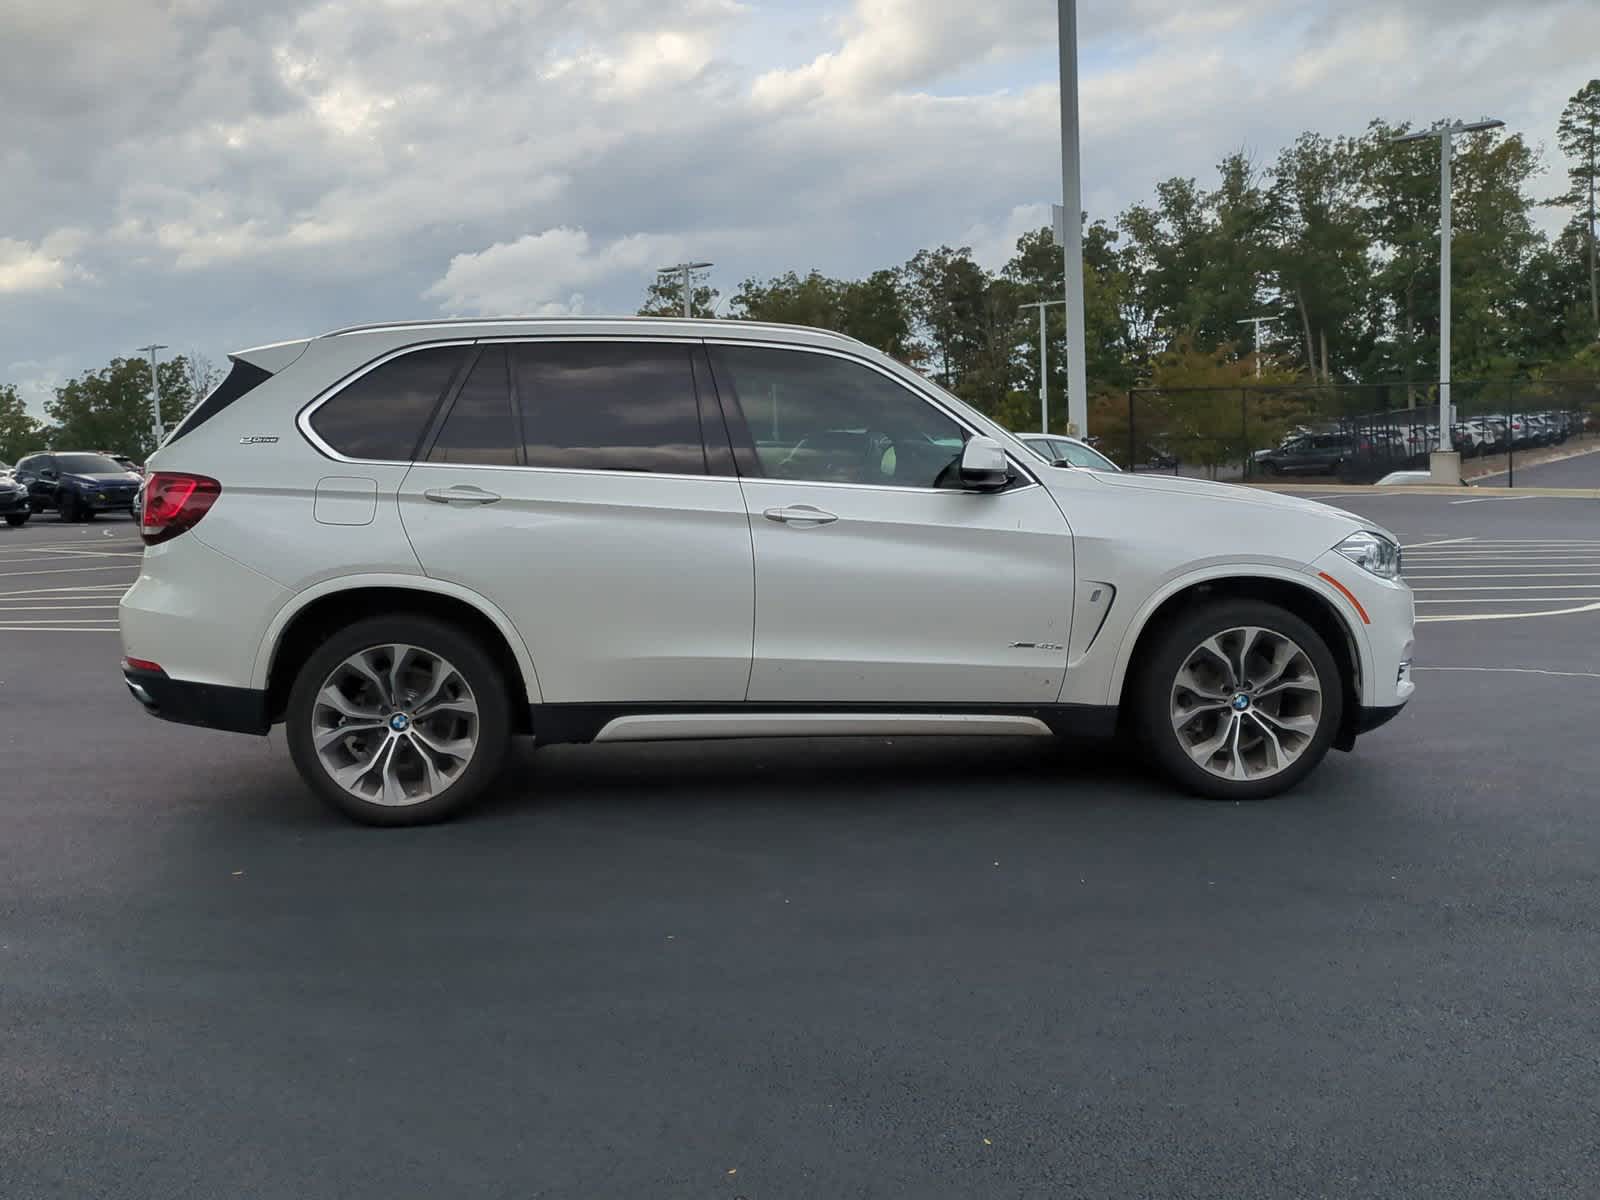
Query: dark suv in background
(1311, 453)
(77, 485)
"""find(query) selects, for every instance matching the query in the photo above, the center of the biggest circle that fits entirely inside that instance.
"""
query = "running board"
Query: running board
(668, 727)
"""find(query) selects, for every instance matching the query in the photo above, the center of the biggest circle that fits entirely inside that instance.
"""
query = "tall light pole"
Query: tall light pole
(1044, 376)
(686, 269)
(1258, 322)
(1446, 134)
(1072, 201)
(155, 387)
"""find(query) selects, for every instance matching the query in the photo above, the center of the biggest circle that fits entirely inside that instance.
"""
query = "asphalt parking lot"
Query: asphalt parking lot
(820, 968)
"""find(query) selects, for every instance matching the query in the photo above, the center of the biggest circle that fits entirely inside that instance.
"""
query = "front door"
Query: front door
(878, 580)
(568, 483)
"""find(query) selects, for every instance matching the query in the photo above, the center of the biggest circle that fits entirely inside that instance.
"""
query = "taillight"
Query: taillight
(175, 502)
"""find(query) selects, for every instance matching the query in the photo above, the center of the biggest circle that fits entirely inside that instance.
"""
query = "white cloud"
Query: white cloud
(25, 267)
(544, 274)
(250, 171)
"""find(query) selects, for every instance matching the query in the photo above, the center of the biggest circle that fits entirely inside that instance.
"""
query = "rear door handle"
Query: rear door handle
(462, 493)
(799, 514)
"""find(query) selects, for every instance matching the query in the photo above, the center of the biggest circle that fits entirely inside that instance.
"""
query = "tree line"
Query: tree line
(1336, 239)
(110, 409)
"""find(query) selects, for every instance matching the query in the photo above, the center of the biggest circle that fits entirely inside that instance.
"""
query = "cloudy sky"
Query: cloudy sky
(219, 173)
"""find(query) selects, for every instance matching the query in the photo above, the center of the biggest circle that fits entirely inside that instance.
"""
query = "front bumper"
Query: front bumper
(12, 503)
(208, 705)
(1374, 717)
(106, 501)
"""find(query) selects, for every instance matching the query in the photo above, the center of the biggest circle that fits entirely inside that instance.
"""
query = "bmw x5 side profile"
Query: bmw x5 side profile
(411, 543)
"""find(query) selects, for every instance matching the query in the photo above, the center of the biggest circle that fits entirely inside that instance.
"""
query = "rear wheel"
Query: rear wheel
(1240, 700)
(399, 720)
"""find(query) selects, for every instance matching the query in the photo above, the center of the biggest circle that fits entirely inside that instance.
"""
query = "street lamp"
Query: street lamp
(686, 269)
(155, 387)
(1258, 322)
(1044, 379)
(1072, 201)
(1446, 136)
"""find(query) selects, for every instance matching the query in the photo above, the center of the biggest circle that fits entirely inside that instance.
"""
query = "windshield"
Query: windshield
(1084, 456)
(88, 464)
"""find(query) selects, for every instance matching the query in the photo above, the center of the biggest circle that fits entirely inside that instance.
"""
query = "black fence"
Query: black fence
(1351, 433)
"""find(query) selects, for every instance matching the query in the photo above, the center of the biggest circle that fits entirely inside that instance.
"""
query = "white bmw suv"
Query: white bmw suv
(409, 543)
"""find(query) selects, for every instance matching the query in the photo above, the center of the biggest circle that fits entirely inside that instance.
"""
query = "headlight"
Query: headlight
(1372, 552)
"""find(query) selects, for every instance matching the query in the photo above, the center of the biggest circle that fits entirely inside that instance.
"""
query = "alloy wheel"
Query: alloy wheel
(1246, 703)
(395, 725)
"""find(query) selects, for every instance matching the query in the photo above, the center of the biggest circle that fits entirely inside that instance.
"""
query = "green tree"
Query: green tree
(19, 433)
(110, 409)
(664, 298)
(1578, 135)
(1321, 254)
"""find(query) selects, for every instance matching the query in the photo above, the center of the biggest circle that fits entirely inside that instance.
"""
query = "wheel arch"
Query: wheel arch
(307, 619)
(1307, 597)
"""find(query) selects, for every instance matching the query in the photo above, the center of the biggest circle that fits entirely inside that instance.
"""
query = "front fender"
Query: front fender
(1304, 577)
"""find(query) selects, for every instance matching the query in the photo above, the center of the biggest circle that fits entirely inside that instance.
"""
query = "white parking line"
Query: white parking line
(1446, 542)
(64, 571)
(1480, 574)
(10, 608)
(1518, 671)
(1501, 587)
(1516, 616)
(1483, 599)
(58, 629)
(88, 591)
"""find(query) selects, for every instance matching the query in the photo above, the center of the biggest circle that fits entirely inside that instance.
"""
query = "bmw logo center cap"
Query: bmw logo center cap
(399, 722)
(1241, 702)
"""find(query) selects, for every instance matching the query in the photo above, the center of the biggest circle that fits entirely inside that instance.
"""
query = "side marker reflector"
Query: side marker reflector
(1348, 595)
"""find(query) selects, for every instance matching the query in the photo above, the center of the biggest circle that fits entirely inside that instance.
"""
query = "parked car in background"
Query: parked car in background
(14, 505)
(411, 543)
(1061, 451)
(1306, 454)
(77, 485)
(136, 467)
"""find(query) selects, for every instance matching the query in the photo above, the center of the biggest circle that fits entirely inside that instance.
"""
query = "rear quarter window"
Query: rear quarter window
(383, 414)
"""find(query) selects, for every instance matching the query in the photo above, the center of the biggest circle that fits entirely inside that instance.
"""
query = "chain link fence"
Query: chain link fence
(1352, 433)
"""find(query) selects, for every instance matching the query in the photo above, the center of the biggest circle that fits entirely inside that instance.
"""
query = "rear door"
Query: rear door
(569, 483)
(878, 579)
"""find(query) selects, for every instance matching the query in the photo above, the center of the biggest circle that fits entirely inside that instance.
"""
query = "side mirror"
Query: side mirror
(1061, 462)
(983, 465)
(48, 473)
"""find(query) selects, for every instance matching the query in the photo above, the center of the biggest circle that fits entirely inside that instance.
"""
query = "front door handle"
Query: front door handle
(799, 514)
(462, 493)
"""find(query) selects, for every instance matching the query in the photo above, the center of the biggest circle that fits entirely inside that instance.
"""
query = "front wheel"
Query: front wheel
(66, 506)
(16, 519)
(1240, 700)
(399, 720)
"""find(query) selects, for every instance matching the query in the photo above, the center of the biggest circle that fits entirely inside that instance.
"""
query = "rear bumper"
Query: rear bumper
(208, 705)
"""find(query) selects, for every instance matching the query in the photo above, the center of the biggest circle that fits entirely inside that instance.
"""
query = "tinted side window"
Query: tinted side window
(828, 420)
(383, 414)
(609, 406)
(479, 428)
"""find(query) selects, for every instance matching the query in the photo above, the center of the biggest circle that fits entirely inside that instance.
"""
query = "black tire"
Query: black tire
(66, 506)
(16, 519)
(1271, 468)
(1152, 694)
(490, 689)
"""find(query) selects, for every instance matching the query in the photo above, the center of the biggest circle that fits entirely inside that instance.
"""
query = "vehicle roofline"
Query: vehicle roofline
(458, 326)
